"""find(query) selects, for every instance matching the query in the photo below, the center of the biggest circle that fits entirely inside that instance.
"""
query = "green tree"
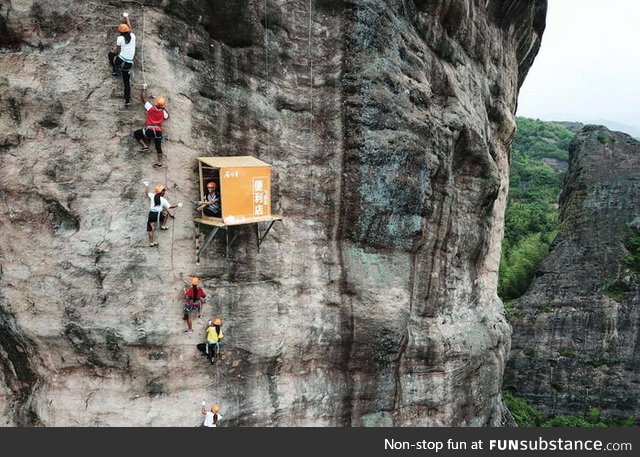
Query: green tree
(524, 414)
(542, 139)
(516, 271)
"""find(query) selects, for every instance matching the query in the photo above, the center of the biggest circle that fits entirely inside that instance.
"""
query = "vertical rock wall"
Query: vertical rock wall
(388, 125)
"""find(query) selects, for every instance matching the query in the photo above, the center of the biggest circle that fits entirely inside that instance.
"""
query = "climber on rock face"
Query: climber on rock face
(156, 115)
(121, 59)
(159, 210)
(194, 298)
(214, 337)
(212, 416)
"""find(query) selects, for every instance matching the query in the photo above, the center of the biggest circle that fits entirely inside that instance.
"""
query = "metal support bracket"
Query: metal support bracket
(264, 235)
(207, 241)
(231, 237)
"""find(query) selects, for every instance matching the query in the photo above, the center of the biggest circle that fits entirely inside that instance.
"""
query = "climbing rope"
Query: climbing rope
(166, 179)
(142, 59)
(310, 57)
(311, 142)
(167, 183)
(173, 228)
(173, 239)
(266, 71)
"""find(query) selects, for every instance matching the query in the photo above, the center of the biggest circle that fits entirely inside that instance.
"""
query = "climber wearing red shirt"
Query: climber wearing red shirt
(156, 115)
(194, 298)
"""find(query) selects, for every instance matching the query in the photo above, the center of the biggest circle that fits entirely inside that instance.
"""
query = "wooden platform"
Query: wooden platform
(217, 223)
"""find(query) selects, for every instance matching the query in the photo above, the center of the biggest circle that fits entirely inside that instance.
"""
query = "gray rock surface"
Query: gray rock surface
(388, 125)
(575, 331)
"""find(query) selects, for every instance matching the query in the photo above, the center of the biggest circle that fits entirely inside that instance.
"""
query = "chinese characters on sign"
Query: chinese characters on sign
(260, 197)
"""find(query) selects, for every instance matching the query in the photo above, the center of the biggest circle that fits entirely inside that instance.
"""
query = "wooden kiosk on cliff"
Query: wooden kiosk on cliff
(244, 184)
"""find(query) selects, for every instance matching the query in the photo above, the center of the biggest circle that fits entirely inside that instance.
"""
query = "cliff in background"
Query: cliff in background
(575, 340)
(388, 125)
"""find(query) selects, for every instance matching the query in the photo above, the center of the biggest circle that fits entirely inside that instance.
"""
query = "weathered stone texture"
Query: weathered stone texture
(388, 125)
(575, 332)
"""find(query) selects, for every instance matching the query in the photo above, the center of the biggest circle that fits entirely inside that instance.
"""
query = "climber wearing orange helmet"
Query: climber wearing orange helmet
(194, 298)
(214, 337)
(121, 59)
(158, 211)
(212, 416)
(156, 115)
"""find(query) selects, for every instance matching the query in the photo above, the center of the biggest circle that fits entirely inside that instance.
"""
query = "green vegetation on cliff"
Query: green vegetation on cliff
(618, 288)
(531, 218)
(526, 415)
(541, 139)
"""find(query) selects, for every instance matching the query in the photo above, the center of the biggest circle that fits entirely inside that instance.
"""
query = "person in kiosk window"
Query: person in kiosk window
(210, 206)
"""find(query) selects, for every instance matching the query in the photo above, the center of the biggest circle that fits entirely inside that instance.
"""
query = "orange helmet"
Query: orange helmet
(122, 28)
(159, 188)
(195, 281)
(160, 102)
(215, 409)
(212, 185)
(216, 321)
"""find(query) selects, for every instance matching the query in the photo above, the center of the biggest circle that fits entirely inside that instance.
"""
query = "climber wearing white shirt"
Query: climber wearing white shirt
(122, 59)
(212, 417)
(158, 210)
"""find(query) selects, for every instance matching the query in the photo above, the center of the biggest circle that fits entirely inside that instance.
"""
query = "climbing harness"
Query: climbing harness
(157, 134)
(123, 65)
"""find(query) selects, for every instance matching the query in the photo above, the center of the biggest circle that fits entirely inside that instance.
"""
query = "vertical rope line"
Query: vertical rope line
(310, 77)
(144, 80)
(311, 142)
(144, 26)
(266, 71)
(173, 223)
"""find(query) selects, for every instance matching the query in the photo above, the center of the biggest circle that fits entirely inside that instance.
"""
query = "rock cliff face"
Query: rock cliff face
(388, 125)
(575, 332)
